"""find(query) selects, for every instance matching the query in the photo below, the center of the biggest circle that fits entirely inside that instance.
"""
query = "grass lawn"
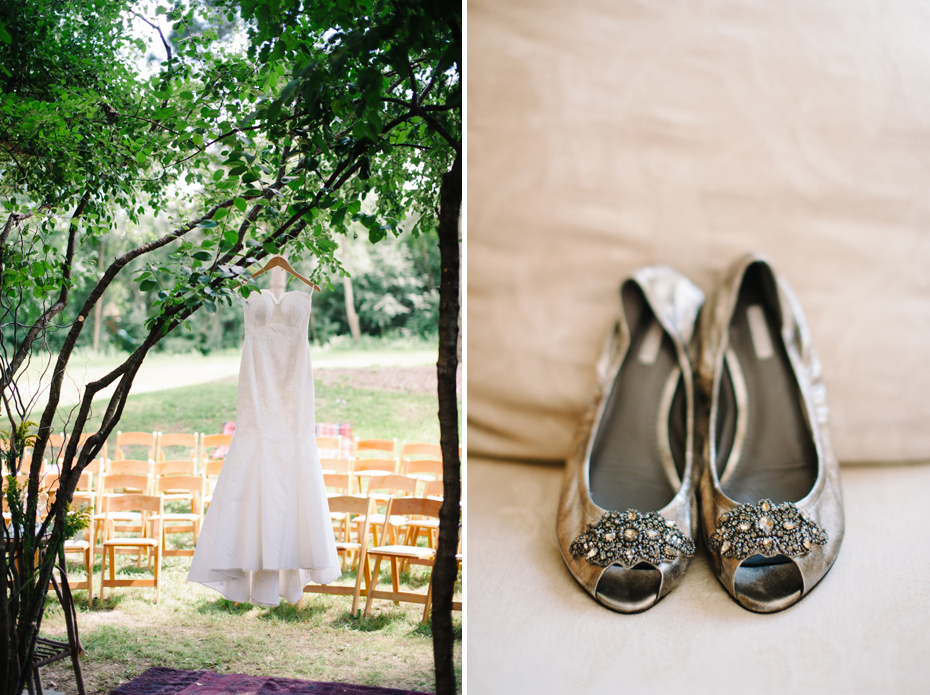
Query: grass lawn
(205, 407)
(194, 628)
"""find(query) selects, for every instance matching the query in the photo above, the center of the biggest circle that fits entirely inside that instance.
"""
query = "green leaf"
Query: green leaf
(203, 255)
(148, 284)
(218, 174)
(240, 204)
(230, 237)
(288, 92)
(206, 224)
(221, 213)
(271, 248)
(165, 112)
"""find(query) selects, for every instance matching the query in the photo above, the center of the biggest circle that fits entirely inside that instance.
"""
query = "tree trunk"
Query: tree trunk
(446, 567)
(350, 309)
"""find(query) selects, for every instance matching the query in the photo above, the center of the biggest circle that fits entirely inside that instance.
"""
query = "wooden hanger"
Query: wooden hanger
(279, 262)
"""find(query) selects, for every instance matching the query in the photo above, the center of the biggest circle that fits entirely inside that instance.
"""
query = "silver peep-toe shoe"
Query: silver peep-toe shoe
(770, 490)
(628, 514)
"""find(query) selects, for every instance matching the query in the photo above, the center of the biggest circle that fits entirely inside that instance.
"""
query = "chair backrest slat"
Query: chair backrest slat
(133, 503)
(374, 465)
(392, 483)
(434, 488)
(129, 467)
(190, 442)
(428, 466)
(124, 481)
(149, 440)
(388, 446)
(432, 451)
(173, 468)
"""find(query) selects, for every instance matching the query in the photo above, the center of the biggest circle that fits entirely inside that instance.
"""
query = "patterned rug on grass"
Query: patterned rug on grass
(169, 681)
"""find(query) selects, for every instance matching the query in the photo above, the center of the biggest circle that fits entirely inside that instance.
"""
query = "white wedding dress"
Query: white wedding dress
(268, 532)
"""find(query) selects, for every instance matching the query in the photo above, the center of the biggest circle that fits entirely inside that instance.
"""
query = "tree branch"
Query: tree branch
(70, 340)
(453, 143)
(53, 310)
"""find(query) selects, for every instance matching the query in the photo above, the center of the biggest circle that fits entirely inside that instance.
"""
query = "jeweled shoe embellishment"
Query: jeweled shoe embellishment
(765, 529)
(629, 538)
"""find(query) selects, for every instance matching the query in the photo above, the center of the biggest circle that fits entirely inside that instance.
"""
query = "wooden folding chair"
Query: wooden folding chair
(415, 451)
(424, 469)
(124, 440)
(170, 469)
(145, 505)
(366, 468)
(349, 505)
(425, 526)
(375, 448)
(211, 472)
(336, 466)
(83, 546)
(194, 487)
(383, 488)
(168, 444)
(338, 484)
(78, 500)
(456, 605)
(406, 551)
(119, 520)
(434, 490)
(329, 447)
(214, 447)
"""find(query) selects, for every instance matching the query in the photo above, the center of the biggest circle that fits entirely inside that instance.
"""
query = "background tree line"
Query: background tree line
(394, 288)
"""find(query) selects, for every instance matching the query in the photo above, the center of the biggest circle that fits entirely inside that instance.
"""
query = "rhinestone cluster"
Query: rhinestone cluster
(630, 538)
(765, 529)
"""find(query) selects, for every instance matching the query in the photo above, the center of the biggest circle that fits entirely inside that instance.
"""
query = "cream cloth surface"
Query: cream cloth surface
(532, 629)
(611, 134)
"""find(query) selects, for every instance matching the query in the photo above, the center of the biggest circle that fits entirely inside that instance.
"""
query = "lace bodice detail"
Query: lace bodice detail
(292, 310)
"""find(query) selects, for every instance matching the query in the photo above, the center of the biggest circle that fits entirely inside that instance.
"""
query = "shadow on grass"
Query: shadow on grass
(112, 601)
(293, 613)
(373, 623)
(426, 629)
(222, 605)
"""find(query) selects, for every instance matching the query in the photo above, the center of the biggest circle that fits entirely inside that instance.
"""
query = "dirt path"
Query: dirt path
(398, 379)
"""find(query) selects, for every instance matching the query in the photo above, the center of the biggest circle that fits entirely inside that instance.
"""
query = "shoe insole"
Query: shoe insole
(765, 448)
(638, 455)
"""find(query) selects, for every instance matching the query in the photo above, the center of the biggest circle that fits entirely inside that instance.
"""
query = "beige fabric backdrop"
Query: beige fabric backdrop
(609, 134)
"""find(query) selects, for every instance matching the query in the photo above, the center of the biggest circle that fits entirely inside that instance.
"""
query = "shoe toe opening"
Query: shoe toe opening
(768, 584)
(629, 590)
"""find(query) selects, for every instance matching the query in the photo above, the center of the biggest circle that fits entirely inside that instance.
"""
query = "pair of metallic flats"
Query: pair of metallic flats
(717, 406)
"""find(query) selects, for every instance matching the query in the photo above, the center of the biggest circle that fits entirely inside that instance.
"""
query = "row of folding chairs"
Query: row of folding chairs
(135, 480)
(149, 446)
(400, 546)
(339, 455)
(144, 516)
